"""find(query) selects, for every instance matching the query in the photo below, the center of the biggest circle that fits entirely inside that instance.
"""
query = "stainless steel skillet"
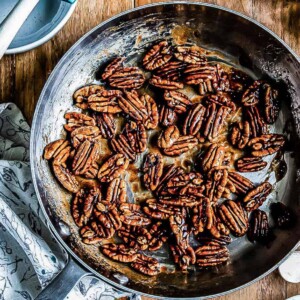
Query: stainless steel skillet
(240, 40)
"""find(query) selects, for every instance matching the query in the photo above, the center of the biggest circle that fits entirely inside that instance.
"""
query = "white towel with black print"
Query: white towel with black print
(29, 256)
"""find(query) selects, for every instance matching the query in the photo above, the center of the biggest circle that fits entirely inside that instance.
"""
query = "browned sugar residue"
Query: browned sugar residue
(181, 34)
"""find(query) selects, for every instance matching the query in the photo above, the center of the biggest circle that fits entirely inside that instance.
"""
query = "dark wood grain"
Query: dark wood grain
(22, 78)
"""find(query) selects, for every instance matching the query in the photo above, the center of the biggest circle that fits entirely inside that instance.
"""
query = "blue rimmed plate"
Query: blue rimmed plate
(48, 17)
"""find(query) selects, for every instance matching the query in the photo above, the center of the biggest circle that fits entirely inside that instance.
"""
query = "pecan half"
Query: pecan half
(250, 164)
(239, 81)
(251, 95)
(89, 236)
(283, 216)
(216, 183)
(127, 78)
(120, 144)
(137, 136)
(146, 265)
(132, 215)
(190, 55)
(83, 204)
(266, 144)
(172, 70)
(256, 122)
(202, 216)
(157, 56)
(242, 184)
(164, 83)
(75, 120)
(116, 192)
(211, 255)
(183, 144)
(183, 257)
(81, 95)
(194, 120)
(177, 100)
(222, 98)
(113, 168)
(152, 112)
(112, 67)
(234, 217)
(105, 101)
(86, 154)
(92, 171)
(218, 230)
(197, 74)
(134, 106)
(119, 252)
(85, 133)
(153, 170)
(271, 103)
(213, 157)
(168, 137)
(106, 124)
(258, 227)
(256, 197)
(159, 236)
(240, 134)
(167, 116)
(221, 81)
(54, 148)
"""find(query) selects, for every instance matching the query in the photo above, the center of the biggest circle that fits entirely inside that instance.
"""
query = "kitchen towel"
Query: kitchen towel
(29, 255)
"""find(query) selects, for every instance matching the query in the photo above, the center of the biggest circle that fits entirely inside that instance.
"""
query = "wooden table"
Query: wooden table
(23, 76)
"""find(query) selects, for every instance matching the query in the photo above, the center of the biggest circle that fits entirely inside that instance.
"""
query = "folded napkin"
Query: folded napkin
(29, 256)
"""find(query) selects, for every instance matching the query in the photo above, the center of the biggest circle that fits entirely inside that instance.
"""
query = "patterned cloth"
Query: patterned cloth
(29, 256)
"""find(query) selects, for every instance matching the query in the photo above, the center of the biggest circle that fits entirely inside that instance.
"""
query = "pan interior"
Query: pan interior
(236, 39)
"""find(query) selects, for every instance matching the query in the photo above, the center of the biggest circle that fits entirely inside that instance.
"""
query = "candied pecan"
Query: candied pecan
(177, 100)
(251, 95)
(85, 133)
(234, 216)
(168, 137)
(89, 236)
(152, 169)
(76, 120)
(158, 210)
(113, 168)
(256, 122)
(185, 184)
(167, 116)
(172, 70)
(214, 120)
(157, 56)
(282, 215)
(182, 201)
(127, 78)
(86, 154)
(135, 237)
(208, 239)
(81, 95)
(250, 164)
(105, 101)
(164, 83)
(120, 144)
(116, 192)
(92, 171)
(271, 103)
(54, 148)
(257, 196)
(159, 236)
(190, 55)
(112, 67)
(137, 136)
(146, 265)
(119, 252)
(106, 124)
(83, 204)
(239, 81)
(258, 227)
(194, 120)
(223, 99)
(218, 229)
(183, 144)
(152, 112)
(197, 74)
(183, 257)
(240, 134)
(213, 157)
(221, 80)
(266, 144)
(132, 215)
(133, 106)
(242, 184)
(202, 216)
(211, 255)
(216, 183)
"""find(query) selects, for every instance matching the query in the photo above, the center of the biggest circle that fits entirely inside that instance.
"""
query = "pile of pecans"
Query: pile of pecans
(211, 200)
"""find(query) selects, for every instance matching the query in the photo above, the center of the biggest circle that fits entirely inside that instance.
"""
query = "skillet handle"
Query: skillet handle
(62, 284)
